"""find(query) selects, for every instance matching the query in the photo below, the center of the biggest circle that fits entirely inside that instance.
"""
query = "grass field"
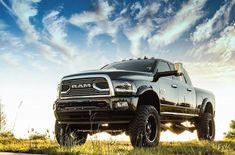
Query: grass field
(116, 147)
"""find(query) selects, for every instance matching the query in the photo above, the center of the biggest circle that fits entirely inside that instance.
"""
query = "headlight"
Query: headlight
(125, 87)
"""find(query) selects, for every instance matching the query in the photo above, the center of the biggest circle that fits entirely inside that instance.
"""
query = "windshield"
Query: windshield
(132, 65)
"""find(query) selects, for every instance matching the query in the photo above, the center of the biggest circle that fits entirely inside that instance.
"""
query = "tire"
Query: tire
(206, 127)
(65, 136)
(145, 130)
(59, 133)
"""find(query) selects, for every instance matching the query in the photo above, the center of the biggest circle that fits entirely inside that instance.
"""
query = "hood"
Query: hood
(117, 74)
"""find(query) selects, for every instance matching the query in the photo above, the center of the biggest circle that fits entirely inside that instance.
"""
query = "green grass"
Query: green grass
(116, 147)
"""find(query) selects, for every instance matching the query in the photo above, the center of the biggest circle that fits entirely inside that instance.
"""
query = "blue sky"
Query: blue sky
(41, 41)
(60, 33)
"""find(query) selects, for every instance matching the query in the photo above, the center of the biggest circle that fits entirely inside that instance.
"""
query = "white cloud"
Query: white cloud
(218, 50)
(8, 40)
(147, 11)
(224, 46)
(215, 24)
(56, 35)
(137, 34)
(142, 30)
(134, 7)
(98, 22)
(10, 59)
(178, 25)
(24, 10)
(55, 30)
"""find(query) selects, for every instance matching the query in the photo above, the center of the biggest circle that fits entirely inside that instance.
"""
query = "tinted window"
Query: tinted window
(181, 78)
(187, 77)
(132, 65)
(172, 66)
(163, 66)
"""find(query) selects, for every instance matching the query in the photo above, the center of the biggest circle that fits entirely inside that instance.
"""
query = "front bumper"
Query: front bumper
(110, 110)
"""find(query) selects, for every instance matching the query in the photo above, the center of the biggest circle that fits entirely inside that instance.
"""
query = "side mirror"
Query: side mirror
(179, 69)
(163, 74)
(177, 72)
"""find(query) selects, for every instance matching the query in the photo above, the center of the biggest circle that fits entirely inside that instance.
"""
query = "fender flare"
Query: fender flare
(143, 89)
(204, 104)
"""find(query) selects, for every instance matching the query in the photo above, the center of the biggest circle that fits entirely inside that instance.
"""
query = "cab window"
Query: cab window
(181, 78)
(163, 67)
(187, 77)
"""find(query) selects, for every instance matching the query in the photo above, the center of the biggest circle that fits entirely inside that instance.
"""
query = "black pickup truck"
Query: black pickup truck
(140, 97)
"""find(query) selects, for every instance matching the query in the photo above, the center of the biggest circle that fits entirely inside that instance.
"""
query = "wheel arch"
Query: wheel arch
(147, 96)
(207, 106)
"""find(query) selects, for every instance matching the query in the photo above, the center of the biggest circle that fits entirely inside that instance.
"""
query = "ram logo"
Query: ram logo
(85, 85)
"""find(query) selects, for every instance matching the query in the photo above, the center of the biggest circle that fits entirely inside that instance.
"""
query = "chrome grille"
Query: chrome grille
(85, 86)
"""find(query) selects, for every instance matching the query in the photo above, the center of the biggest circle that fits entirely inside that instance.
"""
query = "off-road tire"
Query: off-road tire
(206, 127)
(65, 136)
(140, 134)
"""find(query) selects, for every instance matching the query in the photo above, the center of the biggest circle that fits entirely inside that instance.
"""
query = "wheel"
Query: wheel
(59, 133)
(206, 127)
(67, 136)
(145, 130)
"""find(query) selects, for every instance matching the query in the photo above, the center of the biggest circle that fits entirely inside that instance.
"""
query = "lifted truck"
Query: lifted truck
(140, 97)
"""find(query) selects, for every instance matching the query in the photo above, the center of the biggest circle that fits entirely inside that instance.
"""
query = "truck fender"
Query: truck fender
(204, 104)
(142, 89)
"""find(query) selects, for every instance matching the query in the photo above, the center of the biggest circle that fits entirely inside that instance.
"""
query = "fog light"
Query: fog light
(121, 104)
(105, 125)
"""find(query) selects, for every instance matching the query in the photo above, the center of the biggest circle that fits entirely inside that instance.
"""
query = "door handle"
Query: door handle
(174, 86)
(189, 89)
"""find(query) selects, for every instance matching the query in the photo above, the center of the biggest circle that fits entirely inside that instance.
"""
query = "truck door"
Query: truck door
(187, 96)
(168, 92)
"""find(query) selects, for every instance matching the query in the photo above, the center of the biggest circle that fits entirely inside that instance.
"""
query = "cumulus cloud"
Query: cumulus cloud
(179, 24)
(215, 24)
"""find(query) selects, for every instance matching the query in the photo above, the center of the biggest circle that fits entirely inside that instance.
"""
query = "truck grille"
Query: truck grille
(85, 87)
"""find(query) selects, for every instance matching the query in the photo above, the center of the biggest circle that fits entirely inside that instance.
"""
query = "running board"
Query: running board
(178, 114)
(94, 122)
